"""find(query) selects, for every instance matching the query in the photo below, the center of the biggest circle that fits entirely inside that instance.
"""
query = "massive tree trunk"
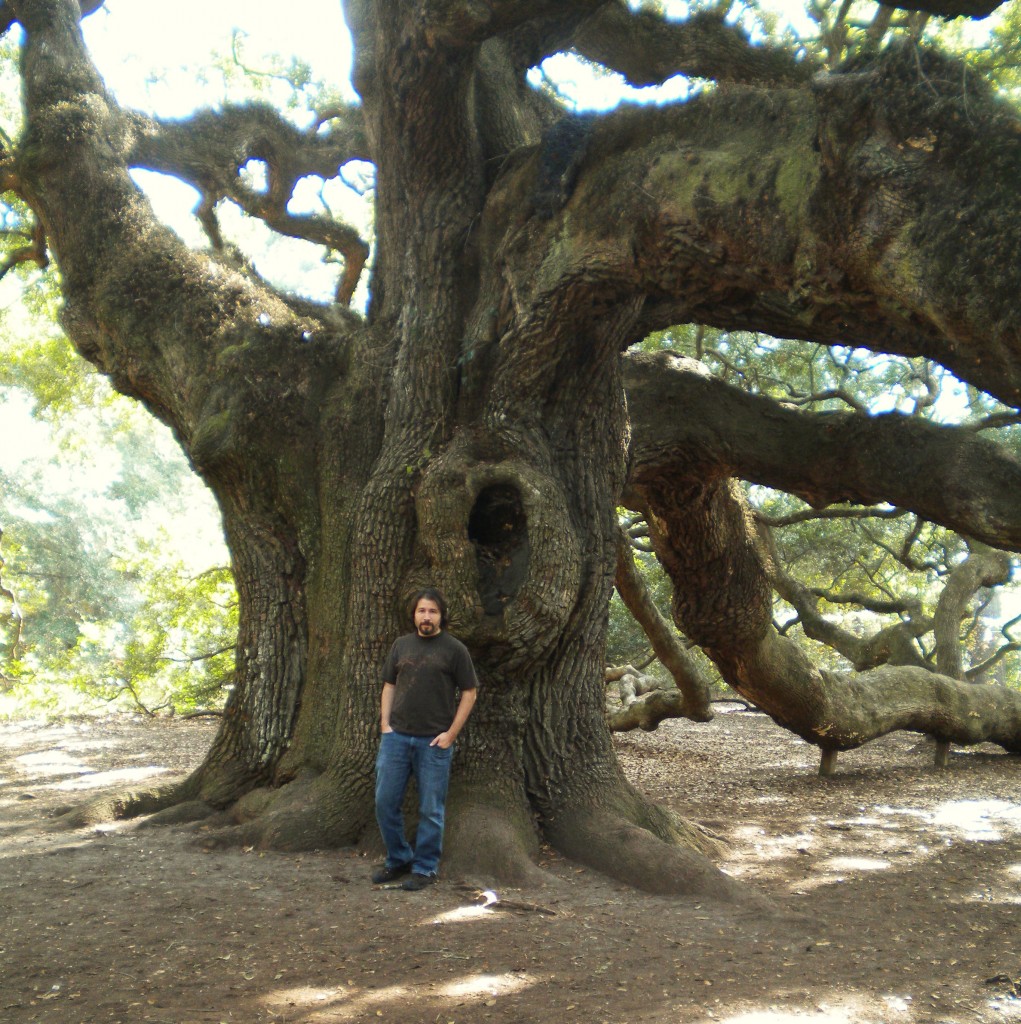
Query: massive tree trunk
(472, 430)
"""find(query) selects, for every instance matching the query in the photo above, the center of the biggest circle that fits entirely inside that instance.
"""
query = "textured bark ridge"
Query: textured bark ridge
(476, 428)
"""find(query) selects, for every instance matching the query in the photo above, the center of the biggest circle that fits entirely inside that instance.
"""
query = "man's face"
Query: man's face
(427, 617)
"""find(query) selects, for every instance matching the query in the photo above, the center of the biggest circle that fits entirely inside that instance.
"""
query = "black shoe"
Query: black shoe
(418, 882)
(384, 874)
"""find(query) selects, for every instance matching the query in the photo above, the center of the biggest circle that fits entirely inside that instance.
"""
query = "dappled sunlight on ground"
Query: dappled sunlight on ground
(351, 1003)
(845, 1013)
(51, 762)
(119, 777)
(68, 757)
(461, 915)
(846, 864)
(487, 985)
(895, 901)
(975, 817)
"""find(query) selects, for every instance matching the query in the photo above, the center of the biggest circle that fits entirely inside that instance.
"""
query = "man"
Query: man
(429, 689)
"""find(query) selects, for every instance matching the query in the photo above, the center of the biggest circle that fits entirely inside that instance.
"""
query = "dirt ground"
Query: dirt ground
(896, 890)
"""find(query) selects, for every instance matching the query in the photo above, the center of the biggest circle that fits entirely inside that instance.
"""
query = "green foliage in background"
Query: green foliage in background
(107, 601)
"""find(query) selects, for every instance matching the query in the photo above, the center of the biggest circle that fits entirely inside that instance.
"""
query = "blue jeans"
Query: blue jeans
(401, 756)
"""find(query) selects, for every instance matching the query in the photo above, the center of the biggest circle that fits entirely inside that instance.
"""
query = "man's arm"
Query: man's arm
(464, 709)
(386, 702)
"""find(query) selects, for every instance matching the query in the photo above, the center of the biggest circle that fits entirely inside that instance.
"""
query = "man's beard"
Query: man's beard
(426, 629)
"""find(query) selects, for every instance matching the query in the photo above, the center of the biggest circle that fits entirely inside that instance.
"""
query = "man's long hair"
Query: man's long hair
(429, 594)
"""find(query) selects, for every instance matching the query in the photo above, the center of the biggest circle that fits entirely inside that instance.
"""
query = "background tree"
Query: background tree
(110, 598)
(472, 429)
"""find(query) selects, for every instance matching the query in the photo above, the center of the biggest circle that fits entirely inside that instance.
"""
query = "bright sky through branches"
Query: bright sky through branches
(132, 39)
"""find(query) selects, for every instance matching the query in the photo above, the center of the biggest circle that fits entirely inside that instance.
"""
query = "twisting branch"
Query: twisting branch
(982, 669)
(691, 681)
(1008, 626)
(925, 377)
(983, 567)
(211, 148)
(824, 396)
(909, 542)
(892, 645)
(978, 672)
(894, 606)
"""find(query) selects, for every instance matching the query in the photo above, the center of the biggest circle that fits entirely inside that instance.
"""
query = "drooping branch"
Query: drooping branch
(210, 149)
(686, 421)
(692, 685)
(892, 645)
(705, 538)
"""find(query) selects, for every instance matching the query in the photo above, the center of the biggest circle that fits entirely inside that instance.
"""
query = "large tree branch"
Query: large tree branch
(644, 47)
(876, 208)
(210, 149)
(685, 422)
(692, 684)
(647, 49)
(949, 8)
(705, 538)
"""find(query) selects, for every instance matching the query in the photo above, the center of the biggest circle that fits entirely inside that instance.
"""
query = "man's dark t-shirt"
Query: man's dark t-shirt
(428, 672)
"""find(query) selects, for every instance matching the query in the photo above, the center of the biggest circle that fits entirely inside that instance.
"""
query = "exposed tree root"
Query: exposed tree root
(126, 804)
(181, 814)
(490, 836)
(484, 842)
(630, 853)
(310, 813)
